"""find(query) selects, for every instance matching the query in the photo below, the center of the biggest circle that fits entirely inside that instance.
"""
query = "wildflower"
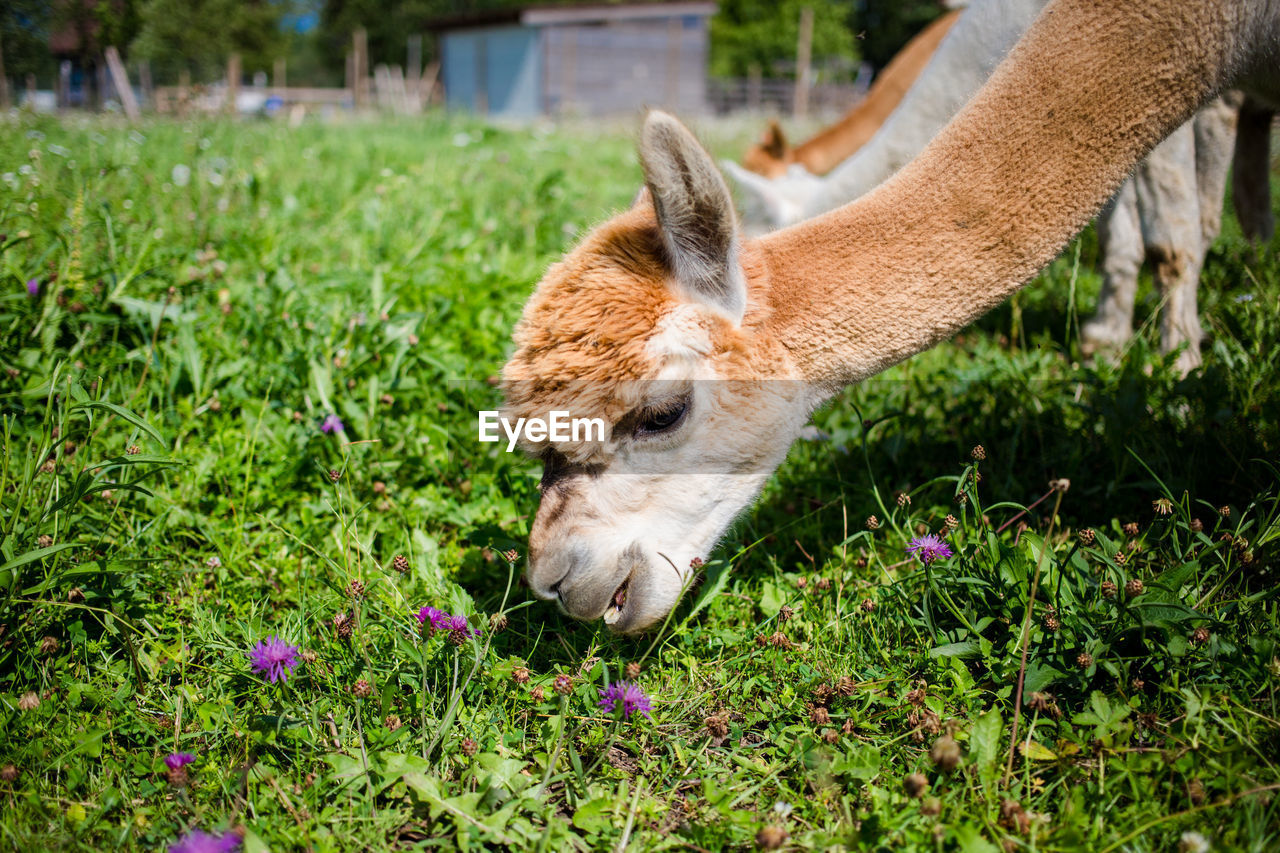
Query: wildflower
(177, 760)
(1084, 660)
(1014, 817)
(362, 689)
(845, 686)
(1051, 623)
(1060, 485)
(1108, 589)
(332, 423)
(633, 670)
(433, 619)
(1044, 703)
(945, 753)
(914, 785)
(771, 837)
(1200, 635)
(196, 841)
(978, 453)
(537, 694)
(213, 562)
(1120, 559)
(1193, 842)
(822, 583)
(1162, 506)
(511, 555)
(873, 523)
(468, 747)
(343, 625)
(1131, 529)
(868, 605)
(802, 582)
(1134, 587)
(564, 684)
(459, 630)
(951, 522)
(334, 475)
(520, 675)
(498, 623)
(626, 695)
(29, 701)
(785, 614)
(33, 287)
(308, 657)
(904, 499)
(133, 450)
(830, 736)
(44, 541)
(75, 595)
(696, 563)
(379, 487)
(386, 399)
(9, 773)
(400, 563)
(931, 807)
(1197, 525)
(1224, 511)
(393, 722)
(820, 716)
(929, 548)
(274, 659)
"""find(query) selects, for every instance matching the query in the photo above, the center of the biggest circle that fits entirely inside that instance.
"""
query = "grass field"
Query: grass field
(186, 306)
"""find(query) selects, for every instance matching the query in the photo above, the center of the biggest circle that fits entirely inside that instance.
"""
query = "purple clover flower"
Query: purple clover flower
(332, 423)
(196, 841)
(274, 659)
(177, 760)
(33, 287)
(629, 696)
(929, 548)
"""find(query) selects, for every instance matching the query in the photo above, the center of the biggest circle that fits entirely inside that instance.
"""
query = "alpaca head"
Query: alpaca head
(771, 155)
(651, 326)
(772, 203)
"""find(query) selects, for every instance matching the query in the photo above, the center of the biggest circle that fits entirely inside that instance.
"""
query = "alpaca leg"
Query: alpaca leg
(1120, 246)
(1169, 210)
(1215, 131)
(1250, 180)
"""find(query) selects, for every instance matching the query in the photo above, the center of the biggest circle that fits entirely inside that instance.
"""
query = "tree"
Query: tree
(747, 33)
(197, 36)
(24, 38)
(885, 26)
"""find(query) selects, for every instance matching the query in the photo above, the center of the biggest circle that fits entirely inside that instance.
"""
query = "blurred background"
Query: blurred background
(293, 58)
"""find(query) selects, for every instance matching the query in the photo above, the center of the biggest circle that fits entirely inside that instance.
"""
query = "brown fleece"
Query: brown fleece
(835, 144)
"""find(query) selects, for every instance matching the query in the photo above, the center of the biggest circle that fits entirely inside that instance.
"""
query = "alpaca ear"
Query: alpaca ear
(695, 214)
(642, 196)
(766, 203)
(774, 142)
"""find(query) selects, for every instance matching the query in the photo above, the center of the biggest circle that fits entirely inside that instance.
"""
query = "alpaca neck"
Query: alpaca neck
(1003, 187)
(832, 146)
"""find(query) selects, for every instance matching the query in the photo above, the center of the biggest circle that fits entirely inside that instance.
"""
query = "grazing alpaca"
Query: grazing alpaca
(829, 148)
(1159, 216)
(667, 294)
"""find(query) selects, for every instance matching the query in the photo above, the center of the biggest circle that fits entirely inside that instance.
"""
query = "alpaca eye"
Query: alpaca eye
(662, 418)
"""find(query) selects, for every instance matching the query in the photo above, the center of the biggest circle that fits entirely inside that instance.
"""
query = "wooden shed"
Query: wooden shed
(577, 60)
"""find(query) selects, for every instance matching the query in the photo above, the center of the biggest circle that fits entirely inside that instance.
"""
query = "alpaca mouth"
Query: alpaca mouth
(613, 612)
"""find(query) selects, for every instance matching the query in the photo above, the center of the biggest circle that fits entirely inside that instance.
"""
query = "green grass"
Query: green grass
(162, 400)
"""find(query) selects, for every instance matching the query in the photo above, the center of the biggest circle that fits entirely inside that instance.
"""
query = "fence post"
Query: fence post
(413, 70)
(360, 66)
(120, 79)
(754, 86)
(4, 82)
(233, 82)
(278, 75)
(146, 84)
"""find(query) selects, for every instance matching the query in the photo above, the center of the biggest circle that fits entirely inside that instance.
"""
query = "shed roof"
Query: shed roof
(542, 16)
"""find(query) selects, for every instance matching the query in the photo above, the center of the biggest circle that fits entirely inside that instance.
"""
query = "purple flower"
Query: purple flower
(440, 621)
(332, 423)
(196, 841)
(929, 548)
(629, 695)
(274, 659)
(33, 287)
(178, 759)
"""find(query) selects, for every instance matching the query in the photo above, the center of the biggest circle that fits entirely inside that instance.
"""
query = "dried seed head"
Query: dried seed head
(387, 399)
(1162, 506)
(355, 589)
(1195, 791)
(1044, 703)
(308, 656)
(29, 701)
(133, 450)
(1060, 485)
(717, 725)
(931, 807)
(9, 773)
(498, 623)
(950, 522)
(1138, 684)
(868, 605)
(779, 640)
(802, 582)
(393, 722)
(771, 837)
(848, 727)
(564, 684)
(342, 625)
(49, 466)
(362, 689)
(904, 499)
(822, 584)
(785, 614)
(1087, 536)
(633, 670)
(1014, 817)
(1131, 529)
(830, 736)
(1134, 587)
(48, 645)
(978, 453)
(914, 785)
(845, 686)
(819, 716)
(1051, 623)
(44, 541)
(334, 475)
(696, 563)
(1120, 559)
(537, 694)
(75, 595)
(1084, 660)
(468, 747)
(511, 556)
(520, 675)
(873, 523)
(1200, 635)
(945, 753)
(379, 487)
(916, 696)
(400, 563)
(1224, 511)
